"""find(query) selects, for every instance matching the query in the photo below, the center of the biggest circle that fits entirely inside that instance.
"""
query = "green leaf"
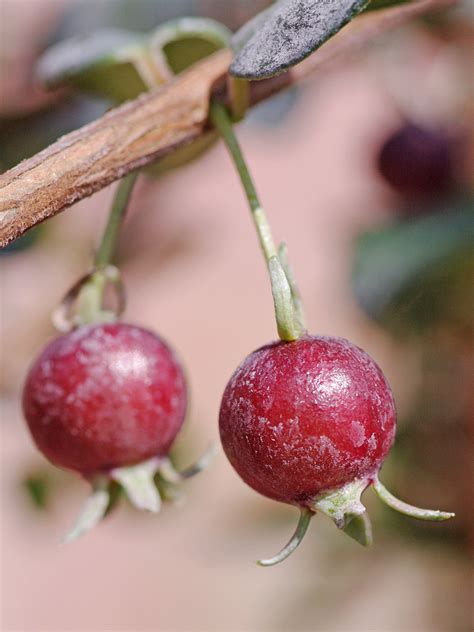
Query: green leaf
(185, 41)
(384, 4)
(101, 64)
(415, 268)
(119, 64)
(251, 28)
(286, 33)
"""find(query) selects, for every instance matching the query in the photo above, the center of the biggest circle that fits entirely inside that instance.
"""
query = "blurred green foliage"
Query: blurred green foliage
(418, 270)
(37, 486)
(416, 279)
(82, 16)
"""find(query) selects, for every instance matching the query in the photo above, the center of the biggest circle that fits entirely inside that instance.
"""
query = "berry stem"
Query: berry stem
(109, 240)
(295, 540)
(223, 123)
(286, 312)
(91, 295)
(409, 510)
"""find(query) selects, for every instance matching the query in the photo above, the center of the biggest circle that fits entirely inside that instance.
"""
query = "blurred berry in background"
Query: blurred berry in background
(418, 161)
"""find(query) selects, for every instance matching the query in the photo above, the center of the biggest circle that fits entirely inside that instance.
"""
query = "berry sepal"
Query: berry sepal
(145, 485)
(303, 523)
(408, 510)
(359, 528)
(138, 483)
(94, 509)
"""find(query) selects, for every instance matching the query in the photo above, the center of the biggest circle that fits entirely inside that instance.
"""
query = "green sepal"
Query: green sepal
(295, 293)
(408, 510)
(95, 508)
(168, 478)
(139, 485)
(288, 326)
(103, 64)
(359, 528)
(303, 523)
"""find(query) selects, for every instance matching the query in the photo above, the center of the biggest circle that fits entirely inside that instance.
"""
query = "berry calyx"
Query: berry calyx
(107, 401)
(309, 423)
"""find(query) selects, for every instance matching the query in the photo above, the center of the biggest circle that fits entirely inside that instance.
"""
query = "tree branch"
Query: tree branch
(155, 124)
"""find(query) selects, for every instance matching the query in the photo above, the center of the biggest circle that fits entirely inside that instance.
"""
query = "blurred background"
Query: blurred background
(366, 172)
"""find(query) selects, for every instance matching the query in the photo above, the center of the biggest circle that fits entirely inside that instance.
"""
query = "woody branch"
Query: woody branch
(156, 124)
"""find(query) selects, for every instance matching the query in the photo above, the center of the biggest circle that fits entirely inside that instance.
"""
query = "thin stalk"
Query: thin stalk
(90, 299)
(109, 240)
(223, 123)
(288, 324)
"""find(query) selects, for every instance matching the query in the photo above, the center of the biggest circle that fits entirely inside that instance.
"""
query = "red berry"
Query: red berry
(301, 418)
(418, 161)
(104, 396)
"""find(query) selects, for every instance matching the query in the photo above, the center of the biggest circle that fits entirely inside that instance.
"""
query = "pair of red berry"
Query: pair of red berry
(296, 418)
(307, 422)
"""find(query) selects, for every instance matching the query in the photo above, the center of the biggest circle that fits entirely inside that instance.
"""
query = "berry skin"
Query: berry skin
(104, 396)
(303, 418)
(418, 161)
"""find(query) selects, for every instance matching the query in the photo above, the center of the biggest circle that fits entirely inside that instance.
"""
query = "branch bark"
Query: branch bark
(155, 124)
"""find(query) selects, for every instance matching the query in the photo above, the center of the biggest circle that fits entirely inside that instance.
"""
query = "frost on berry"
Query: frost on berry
(104, 396)
(302, 418)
